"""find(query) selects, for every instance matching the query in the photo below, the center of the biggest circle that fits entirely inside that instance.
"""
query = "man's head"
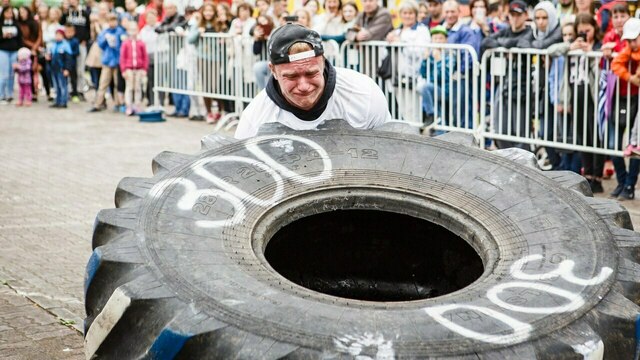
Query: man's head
(69, 31)
(73, 3)
(631, 33)
(369, 6)
(517, 15)
(151, 15)
(435, 8)
(296, 61)
(130, 5)
(170, 8)
(451, 10)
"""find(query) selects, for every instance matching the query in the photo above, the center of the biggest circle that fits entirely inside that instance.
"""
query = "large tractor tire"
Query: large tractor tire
(341, 243)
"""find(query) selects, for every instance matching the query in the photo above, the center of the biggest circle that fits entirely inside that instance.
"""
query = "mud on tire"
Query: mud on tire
(339, 243)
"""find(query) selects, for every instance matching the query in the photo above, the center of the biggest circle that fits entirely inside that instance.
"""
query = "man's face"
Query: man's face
(435, 9)
(73, 3)
(369, 6)
(517, 20)
(301, 82)
(451, 14)
(170, 10)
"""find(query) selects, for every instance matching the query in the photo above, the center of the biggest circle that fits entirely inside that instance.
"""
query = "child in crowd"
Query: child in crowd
(133, 64)
(23, 69)
(61, 65)
(436, 69)
(74, 45)
(149, 36)
(110, 41)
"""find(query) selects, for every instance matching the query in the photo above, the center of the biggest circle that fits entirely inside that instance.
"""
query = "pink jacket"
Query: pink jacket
(133, 56)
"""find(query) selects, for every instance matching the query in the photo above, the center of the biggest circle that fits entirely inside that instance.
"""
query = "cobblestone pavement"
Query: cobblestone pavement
(58, 169)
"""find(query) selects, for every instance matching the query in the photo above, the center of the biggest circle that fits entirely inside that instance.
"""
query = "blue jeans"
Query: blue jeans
(182, 103)
(465, 106)
(62, 90)
(7, 58)
(571, 161)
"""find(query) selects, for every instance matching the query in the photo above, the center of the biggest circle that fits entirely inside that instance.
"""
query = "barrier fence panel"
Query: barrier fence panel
(570, 102)
(439, 78)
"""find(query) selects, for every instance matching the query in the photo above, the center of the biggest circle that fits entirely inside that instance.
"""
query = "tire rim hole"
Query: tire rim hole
(373, 255)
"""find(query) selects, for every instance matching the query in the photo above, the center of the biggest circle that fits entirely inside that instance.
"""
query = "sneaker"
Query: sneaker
(18, 103)
(75, 99)
(129, 112)
(4, 102)
(596, 186)
(94, 109)
(27, 103)
(62, 106)
(210, 118)
(616, 192)
(123, 109)
(82, 98)
(628, 193)
(628, 150)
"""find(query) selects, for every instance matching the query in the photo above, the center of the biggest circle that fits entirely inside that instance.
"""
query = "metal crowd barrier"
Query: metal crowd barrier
(450, 73)
(527, 88)
(508, 97)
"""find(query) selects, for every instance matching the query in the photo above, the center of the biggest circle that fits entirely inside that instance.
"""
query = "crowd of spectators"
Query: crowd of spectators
(115, 47)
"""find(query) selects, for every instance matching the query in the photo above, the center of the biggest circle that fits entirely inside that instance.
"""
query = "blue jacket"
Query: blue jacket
(60, 56)
(111, 52)
(463, 34)
(438, 70)
(74, 45)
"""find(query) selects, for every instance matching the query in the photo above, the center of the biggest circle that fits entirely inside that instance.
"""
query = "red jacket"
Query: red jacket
(133, 56)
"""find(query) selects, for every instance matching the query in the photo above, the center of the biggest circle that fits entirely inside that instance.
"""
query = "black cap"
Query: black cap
(282, 38)
(518, 6)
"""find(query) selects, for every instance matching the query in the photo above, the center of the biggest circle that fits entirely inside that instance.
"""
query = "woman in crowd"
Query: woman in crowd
(94, 56)
(32, 39)
(330, 22)
(312, 7)
(10, 42)
(337, 31)
(579, 88)
(304, 18)
(225, 17)
(149, 37)
(243, 24)
(410, 32)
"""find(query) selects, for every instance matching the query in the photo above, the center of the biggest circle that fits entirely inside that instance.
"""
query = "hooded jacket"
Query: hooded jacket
(543, 39)
(110, 41)
(621, 63)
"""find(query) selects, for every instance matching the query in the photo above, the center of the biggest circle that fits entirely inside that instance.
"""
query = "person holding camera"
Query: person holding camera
(304, 89)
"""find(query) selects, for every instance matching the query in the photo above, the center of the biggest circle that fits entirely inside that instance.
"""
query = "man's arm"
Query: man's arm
(379, 26)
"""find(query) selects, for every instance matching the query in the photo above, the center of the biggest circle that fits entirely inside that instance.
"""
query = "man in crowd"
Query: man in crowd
(305, 89)
(373, 23)
(509, 38)
(78, 16)
(436, 16)
(156, 5)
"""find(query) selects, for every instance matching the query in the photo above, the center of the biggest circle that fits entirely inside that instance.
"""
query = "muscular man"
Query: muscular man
(304, 89)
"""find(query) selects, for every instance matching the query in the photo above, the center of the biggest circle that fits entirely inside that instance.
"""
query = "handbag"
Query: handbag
(385, 71)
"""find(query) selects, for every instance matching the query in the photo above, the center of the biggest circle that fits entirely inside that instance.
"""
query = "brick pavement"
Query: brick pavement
(59, 168)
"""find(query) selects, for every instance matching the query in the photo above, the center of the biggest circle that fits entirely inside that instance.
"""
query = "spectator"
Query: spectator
(225, 17)
(312, 7)
(74, 46)
(348, 15)
(374, 23)
(304, 18)
(43, 65)
(158, 7)
(134, 62)
(330, 22)
(130, 14)
(410, 32)
(79, 17)
(480, 22)
(60, 57)
(585, 7)
(149, 37)
(511, 117)
(459, 33)
(10, 42)
(242, 24)
(261, 33)
(174, 22)
(578, 81)
(423, 12)
(110, 41)
(207, 62)
(278, 7)
(32, 39)
(494, 17)
(626, 65)
(436, 15)
(99, 23)
(569, 160)
(566, 10)
(23, 69)
(262, 7)
(436, 69)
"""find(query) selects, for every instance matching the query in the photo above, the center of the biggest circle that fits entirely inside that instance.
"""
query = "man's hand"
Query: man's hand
(392, 36)
(635, 79)
(363, 35)
(65, 73)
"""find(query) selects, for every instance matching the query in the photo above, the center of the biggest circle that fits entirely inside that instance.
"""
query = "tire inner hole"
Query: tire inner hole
(373, 256)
